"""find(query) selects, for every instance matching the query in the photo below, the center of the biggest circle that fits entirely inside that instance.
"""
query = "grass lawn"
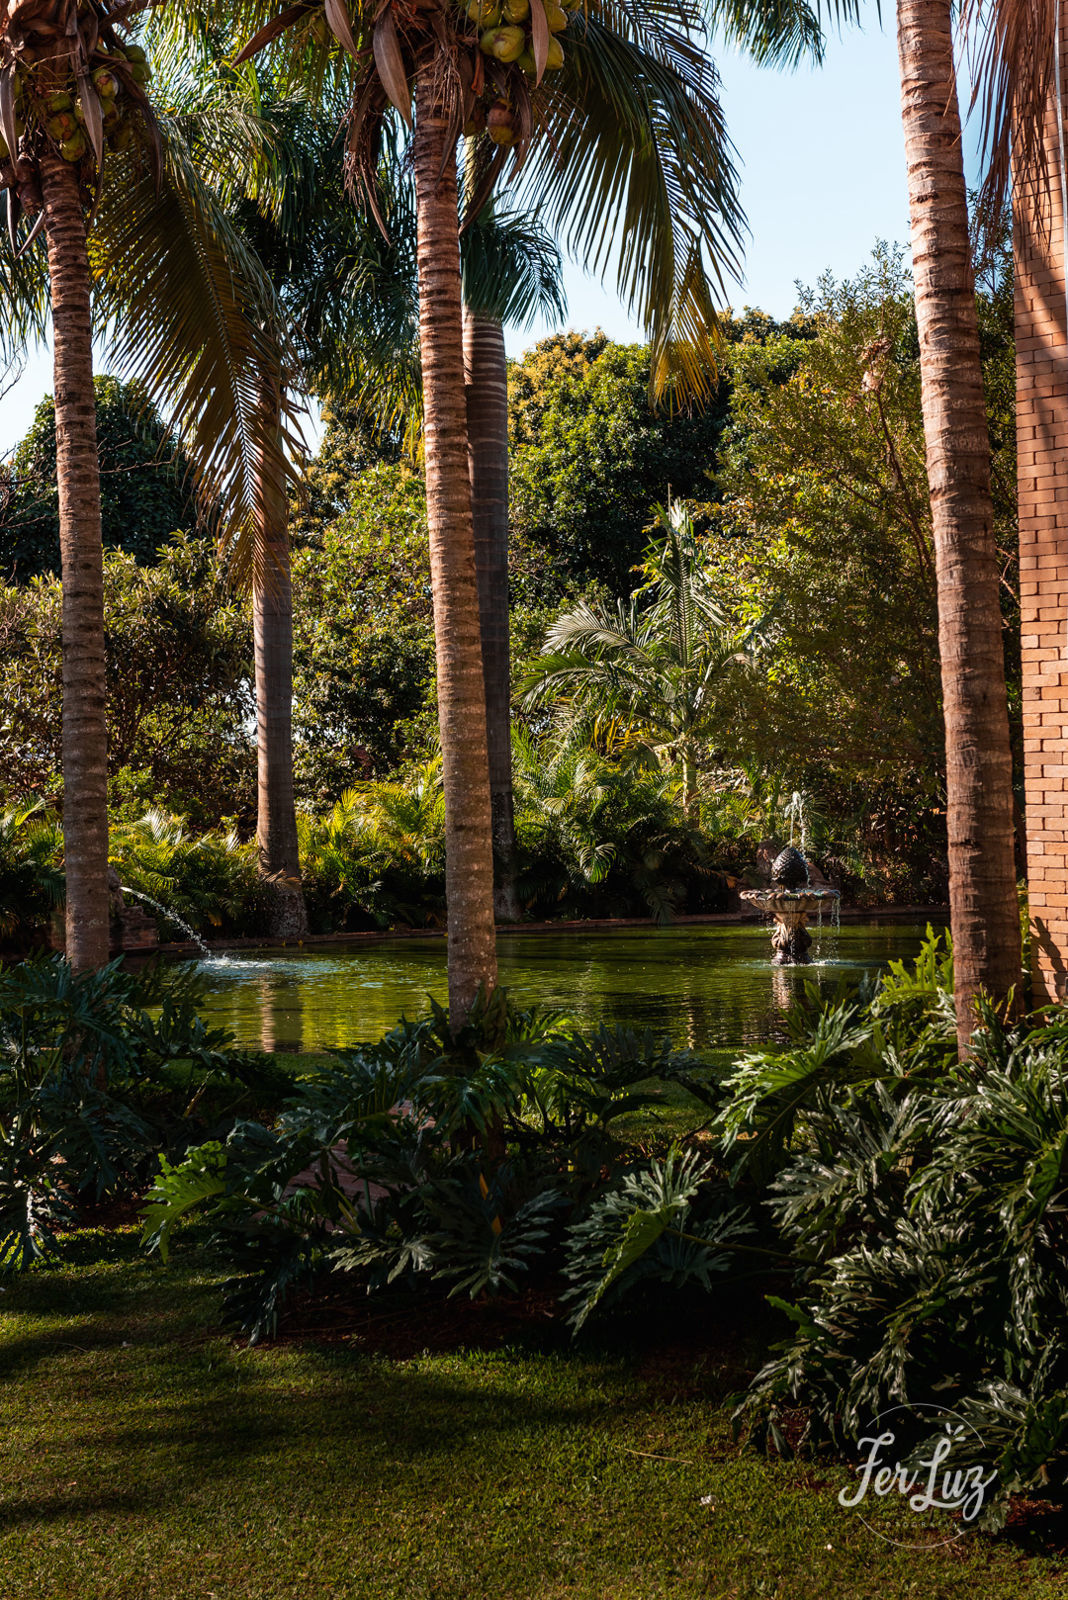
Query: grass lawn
(149, 1455)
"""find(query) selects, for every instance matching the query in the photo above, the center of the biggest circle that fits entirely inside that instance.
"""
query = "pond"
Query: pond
(706, 986)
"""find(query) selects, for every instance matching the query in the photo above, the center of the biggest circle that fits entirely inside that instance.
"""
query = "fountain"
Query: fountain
(790, 900)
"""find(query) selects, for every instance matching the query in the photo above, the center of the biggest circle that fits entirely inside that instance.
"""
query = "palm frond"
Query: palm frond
(512, 268)
(1013, 45)
(775, 33)
(636, 160)
(190, 315)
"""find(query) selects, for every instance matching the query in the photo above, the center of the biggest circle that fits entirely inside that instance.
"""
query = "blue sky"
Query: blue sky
(823, 178)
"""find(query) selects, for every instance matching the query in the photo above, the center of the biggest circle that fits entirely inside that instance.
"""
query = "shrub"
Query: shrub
(209, 880)
(599, 839)
(32, 885)
(98, 1072)
(379, 857)
(423, 1160)
(924, 1203)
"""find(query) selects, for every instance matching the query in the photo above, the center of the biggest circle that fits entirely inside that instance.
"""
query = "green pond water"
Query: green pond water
(705, 986)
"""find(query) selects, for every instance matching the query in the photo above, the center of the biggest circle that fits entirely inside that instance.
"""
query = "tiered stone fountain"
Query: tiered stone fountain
(790, 901)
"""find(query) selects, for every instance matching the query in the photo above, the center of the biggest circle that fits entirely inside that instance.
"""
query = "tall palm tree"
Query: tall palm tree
(644, 675)
(497, 86)
(511, 271)
(984, 912)
(72, 91)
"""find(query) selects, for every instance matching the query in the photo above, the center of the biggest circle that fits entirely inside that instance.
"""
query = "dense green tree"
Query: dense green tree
(352, 443)
(178, 651)
(363, 635)
(825, 511)
(592, 456)
(146, 492)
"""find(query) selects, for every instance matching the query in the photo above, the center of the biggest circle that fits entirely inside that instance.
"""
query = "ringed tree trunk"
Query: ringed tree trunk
(272, 607)
(85, 777)
(472, 954)
(984, 911)
(487, 449)
(690, 795)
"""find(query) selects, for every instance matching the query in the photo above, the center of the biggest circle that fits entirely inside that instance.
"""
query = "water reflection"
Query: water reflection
(704, 986)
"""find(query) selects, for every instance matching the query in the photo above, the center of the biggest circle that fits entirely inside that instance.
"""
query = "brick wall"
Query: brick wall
(1042, 456)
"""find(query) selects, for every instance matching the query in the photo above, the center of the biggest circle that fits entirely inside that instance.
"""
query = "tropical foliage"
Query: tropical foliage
(371, 1170)
(644, 678)
(98, 1073)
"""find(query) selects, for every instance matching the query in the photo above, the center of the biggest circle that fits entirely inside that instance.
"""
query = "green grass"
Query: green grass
(149, 1457)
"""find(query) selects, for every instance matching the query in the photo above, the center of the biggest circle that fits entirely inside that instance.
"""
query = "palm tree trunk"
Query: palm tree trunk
(690, 796)
(272, 606)
(85, 776)
(487, 451)
(472, 956)
(984, 911)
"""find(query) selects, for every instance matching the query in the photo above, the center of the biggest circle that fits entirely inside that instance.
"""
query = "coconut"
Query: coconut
(516, 10)
(106, 83)
(499, 123)
(506, 44)
(74, 149)
(58, 102)
(528, 64)
(62, 127)
(135, 53)
(555, 58)
(486, 13)
(556, 17)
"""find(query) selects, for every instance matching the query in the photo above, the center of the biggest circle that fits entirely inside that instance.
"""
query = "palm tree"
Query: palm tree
(643, 676)
(40, 76)
(511, 271)
(72, 90)
(643, 60)
(253, 194)
(984, 911)
(352, 301)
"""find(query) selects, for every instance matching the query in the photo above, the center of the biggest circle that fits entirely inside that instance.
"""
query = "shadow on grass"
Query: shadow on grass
(154, 1426)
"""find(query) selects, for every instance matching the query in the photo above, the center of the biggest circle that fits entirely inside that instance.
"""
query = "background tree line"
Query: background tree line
(807, 471)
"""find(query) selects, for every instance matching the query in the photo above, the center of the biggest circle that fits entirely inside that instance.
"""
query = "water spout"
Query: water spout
(172, 916)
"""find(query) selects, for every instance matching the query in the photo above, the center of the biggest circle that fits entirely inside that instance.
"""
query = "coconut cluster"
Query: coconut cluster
(506, 35)
(117, 74)
(65, 122)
